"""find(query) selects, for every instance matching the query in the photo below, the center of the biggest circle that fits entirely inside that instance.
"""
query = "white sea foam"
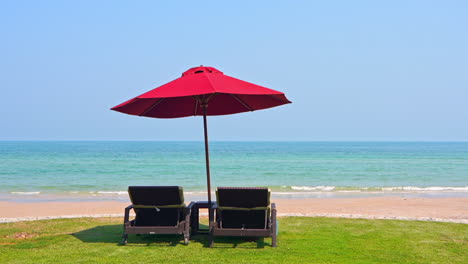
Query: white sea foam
(196, 193)
(377, 189)
(110, 192)
(422, 189)
(313, 188)
(25, 193)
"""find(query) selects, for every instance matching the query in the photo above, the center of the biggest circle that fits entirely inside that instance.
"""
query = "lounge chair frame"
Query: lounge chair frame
(270, 229)
(182, 227)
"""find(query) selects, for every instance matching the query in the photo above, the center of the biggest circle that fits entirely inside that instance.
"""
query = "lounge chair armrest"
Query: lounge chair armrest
(187, 221)
(273, 214)
(273, 211)
(127, 213)
(188, 209)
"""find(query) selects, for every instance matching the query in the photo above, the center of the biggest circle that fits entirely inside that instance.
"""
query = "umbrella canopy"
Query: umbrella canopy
(202, 91)
(187, 95)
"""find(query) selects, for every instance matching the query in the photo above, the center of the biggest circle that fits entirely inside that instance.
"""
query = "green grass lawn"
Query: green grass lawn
(301, 240)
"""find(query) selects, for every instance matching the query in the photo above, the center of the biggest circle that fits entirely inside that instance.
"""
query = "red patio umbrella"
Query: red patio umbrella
(202, 91)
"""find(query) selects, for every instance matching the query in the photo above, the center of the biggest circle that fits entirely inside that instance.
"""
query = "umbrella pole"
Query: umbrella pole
(207, 158)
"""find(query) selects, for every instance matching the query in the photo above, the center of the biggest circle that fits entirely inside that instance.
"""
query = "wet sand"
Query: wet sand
(450, 209)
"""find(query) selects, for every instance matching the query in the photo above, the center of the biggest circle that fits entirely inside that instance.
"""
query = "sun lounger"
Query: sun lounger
(243, 211)
(158, 210)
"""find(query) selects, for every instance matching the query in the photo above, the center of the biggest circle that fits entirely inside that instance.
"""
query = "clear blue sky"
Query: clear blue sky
(355, 70)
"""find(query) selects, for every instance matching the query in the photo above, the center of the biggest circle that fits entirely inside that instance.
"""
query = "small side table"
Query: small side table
(195, 216)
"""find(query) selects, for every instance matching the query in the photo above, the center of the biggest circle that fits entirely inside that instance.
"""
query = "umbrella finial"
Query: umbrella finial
(201, 69)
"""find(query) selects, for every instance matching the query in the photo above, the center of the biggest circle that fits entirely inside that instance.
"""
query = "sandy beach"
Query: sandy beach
(450, 209)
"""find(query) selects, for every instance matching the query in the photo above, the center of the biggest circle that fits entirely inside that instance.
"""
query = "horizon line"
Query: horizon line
(149, 140)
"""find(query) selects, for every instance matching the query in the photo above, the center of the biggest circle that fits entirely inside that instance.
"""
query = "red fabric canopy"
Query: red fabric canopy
(199, 86)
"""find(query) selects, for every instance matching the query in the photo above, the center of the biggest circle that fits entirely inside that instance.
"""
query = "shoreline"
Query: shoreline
(439, 209)
(122, 196)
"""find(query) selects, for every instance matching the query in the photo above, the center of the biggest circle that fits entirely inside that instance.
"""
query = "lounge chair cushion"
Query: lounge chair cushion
(157, 205)
(243, 197)
(163, 196)
(252, 219)
(153, 217)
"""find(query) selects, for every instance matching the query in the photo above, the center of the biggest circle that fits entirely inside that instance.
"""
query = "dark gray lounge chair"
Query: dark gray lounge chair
(244, 211)
(158, 210)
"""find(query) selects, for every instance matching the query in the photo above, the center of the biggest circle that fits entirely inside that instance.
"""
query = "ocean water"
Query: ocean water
(63, 170)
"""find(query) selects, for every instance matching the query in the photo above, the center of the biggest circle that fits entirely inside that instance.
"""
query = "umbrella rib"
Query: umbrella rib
(241, 102)
(201, 101)
(151, 107)
(209, 97)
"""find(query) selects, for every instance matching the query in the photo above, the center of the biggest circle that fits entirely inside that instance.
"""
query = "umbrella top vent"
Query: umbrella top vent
(201, 69)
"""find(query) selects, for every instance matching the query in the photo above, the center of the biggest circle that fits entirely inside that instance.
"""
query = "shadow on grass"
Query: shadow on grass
(113, 234)
(238, 242)
(228, 242)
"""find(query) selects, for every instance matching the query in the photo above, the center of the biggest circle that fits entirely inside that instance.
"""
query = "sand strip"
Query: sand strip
(423, 209)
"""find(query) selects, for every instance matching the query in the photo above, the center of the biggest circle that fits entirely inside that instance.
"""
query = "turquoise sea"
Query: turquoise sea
(101, 170)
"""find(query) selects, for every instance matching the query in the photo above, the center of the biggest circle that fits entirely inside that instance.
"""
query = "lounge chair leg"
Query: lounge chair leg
(273, 235)
(186, 238)
(124, 240)
(211, 240)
